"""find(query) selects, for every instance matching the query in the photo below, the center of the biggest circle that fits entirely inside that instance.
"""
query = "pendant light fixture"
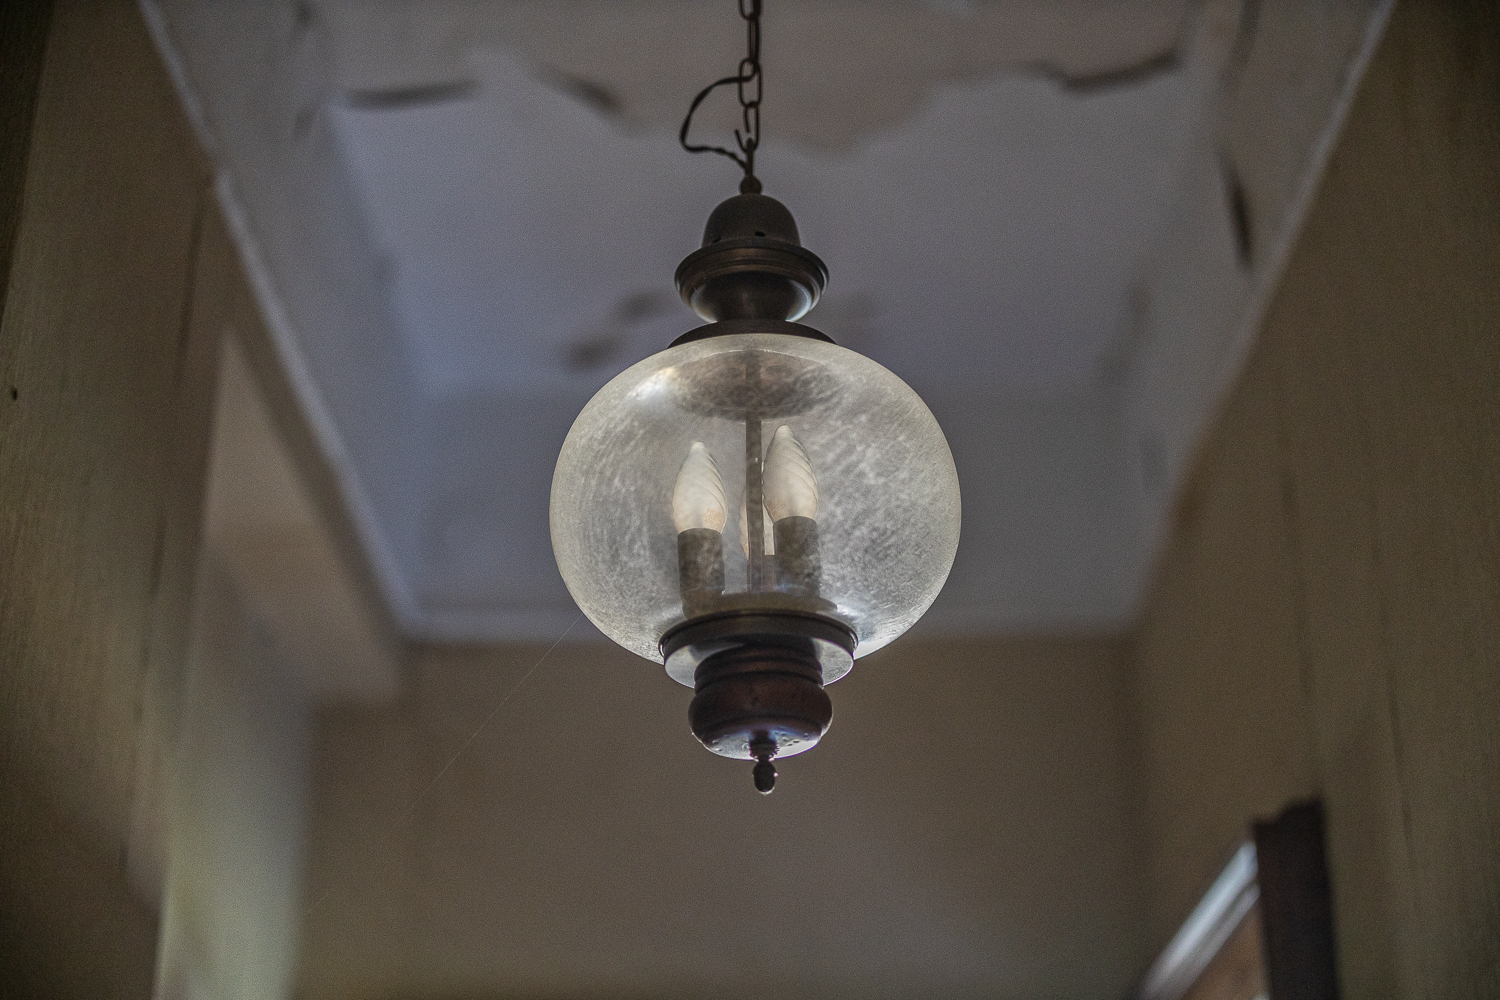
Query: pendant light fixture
(754, 506)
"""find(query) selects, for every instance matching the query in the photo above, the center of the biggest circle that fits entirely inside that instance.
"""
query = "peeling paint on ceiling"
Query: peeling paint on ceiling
(988, 239)
(837, 72)
(1057, 221)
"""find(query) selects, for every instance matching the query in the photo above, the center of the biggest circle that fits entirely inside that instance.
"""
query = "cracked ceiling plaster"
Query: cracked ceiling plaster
(838, 72)
(463, 218)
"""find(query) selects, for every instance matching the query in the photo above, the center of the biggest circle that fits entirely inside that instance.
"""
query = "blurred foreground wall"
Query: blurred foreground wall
(175, 586)
(1327, 618)
(106, 385)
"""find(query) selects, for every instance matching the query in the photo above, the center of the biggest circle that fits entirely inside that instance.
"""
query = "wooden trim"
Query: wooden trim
(1280, 871)
(1296, 905)
(1212, 922)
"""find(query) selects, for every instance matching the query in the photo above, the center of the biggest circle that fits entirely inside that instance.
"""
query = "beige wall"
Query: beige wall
(106, 376)
(963, 830)
(278, 621)
(1327, 619)
(234, 869)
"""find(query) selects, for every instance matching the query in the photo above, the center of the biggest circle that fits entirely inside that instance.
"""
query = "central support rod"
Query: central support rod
(755, 529)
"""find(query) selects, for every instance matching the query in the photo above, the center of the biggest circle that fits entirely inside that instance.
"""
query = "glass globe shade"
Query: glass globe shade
(858, 487)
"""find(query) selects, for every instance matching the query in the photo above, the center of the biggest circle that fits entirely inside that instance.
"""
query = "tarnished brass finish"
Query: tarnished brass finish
(758, 680)
(758, 701)
(751, 265)
(751, 279)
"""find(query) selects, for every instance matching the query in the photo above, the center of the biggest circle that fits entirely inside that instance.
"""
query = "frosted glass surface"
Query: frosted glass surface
(887, 509)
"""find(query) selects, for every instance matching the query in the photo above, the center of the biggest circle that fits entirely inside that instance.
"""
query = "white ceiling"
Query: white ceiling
(463, 218)
(989, 238)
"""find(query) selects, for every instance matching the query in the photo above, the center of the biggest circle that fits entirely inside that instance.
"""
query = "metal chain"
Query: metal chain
(748, 86)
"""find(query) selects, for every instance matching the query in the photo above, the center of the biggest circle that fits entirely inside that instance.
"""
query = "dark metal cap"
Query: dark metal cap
(752, 264)
(750, 216)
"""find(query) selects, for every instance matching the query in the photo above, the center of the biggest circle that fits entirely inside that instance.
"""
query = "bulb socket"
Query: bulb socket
(799, 564)
(700, 569)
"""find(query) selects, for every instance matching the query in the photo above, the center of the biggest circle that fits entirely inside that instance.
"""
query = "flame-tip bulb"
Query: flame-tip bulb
(698, 496)
(791, 487)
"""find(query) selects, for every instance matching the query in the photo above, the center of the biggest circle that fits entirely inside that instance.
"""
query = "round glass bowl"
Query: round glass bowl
(642, 522)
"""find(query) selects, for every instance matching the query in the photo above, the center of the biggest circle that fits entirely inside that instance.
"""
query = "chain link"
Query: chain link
(748, 77)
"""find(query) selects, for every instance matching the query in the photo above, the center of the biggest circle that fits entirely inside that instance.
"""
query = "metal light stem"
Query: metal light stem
(755, 538)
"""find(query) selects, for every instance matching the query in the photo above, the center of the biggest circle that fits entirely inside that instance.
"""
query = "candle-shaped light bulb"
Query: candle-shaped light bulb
(792, 501)
(766, 532)
(791, 487)
(698, 497)
(699, 512)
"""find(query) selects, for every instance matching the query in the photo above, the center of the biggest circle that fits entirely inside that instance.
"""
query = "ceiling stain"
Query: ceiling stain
(595, 352)
(1237, 203)
(592, 94)
(602, 346)
(411, 97)
(1131, 75)
(642, 306)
